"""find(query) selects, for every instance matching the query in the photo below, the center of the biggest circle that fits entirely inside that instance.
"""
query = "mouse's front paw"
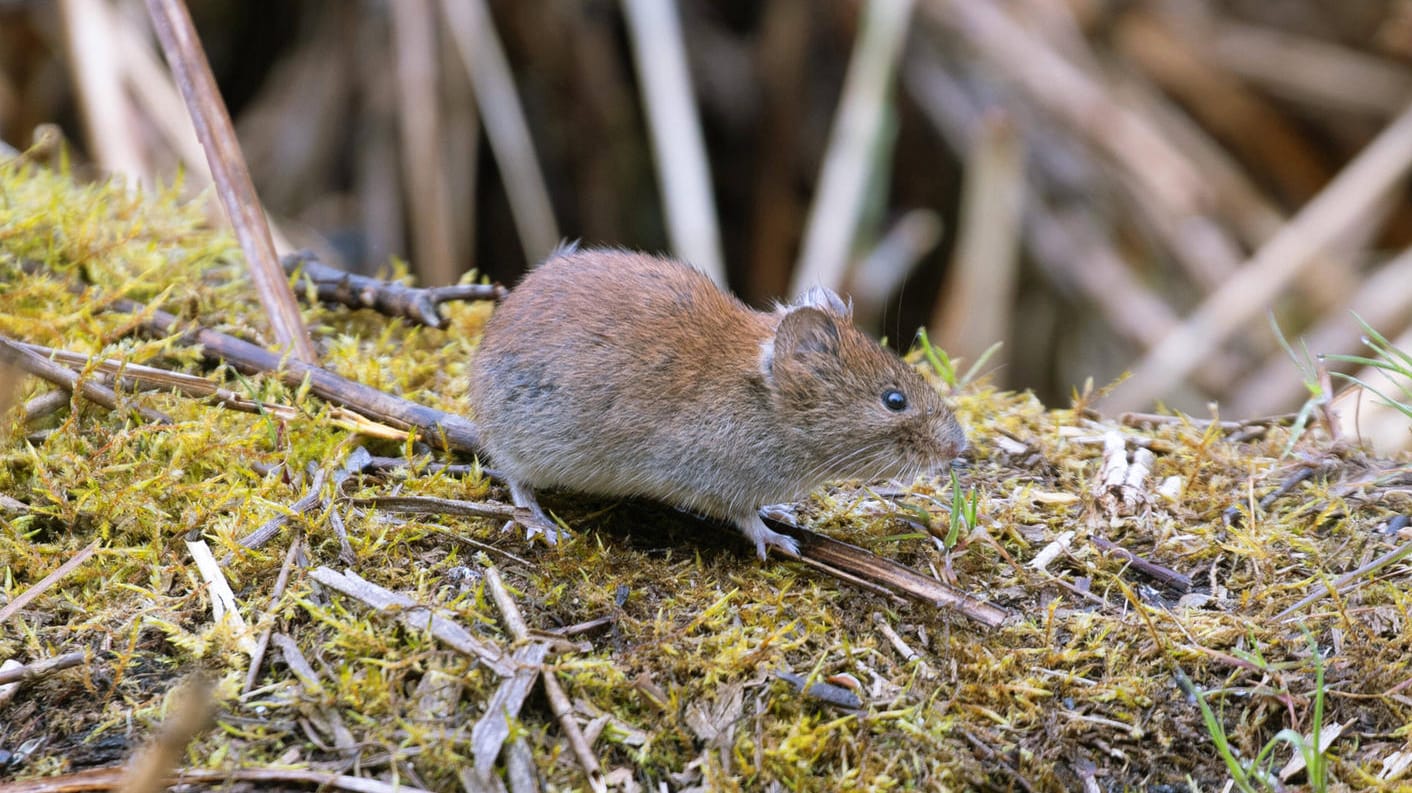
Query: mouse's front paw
(788, 545)
(764, 537)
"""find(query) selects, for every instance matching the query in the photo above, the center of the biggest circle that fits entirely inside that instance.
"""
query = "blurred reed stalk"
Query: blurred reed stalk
(480, 50)
(682, 168)
(854, 144)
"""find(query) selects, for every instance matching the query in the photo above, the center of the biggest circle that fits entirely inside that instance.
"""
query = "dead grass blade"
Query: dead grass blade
(28, 596)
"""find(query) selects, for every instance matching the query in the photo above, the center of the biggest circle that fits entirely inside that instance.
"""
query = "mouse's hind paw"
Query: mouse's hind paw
(765, 538)
(533, 517)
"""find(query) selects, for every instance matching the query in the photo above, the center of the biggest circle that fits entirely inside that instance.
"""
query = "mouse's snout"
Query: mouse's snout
(951, 439)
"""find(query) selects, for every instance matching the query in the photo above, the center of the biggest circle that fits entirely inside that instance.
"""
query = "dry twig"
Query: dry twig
(418, 304)
(34, 669)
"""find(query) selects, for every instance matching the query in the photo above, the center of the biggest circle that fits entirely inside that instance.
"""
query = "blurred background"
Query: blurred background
(1101, 186)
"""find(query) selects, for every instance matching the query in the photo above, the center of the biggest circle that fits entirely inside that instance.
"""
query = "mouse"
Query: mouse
(621, 374)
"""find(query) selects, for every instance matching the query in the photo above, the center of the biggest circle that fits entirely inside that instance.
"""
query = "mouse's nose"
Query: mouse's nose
(953, 441)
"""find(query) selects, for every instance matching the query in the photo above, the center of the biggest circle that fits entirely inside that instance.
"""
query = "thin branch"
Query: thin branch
(1323, 590)
(41, 668)
(389, 298)
(134, 376)
(430, 505)
(228, 168)
(17, 355)
(434, 426)
(267, 778)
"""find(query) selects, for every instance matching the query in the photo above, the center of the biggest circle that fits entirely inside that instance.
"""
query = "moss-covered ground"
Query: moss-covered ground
(677, 686)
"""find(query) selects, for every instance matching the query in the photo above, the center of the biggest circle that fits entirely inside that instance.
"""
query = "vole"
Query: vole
(620, 374)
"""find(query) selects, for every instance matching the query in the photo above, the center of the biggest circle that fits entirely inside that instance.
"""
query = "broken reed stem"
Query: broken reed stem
(855, 562)
(416, 51)
(232, 178)
(1382, 300)
(974, 311)
(1073, 249)
(853, 147)
(96, 63)
(879, 275)
(668, 100)
(1073, 96)
(415, 615)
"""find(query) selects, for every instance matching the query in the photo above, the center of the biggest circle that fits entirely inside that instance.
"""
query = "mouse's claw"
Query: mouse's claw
(533, 517)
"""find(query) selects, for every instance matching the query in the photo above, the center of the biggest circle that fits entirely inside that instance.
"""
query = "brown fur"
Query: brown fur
(621, 374)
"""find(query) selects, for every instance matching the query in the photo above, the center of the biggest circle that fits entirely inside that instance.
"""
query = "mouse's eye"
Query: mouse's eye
(895, 400)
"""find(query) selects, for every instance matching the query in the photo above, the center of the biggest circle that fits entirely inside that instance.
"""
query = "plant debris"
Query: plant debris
(692, 664)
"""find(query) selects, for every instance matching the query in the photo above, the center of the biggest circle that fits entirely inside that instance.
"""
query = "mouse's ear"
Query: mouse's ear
(806, 331)
(825, 299)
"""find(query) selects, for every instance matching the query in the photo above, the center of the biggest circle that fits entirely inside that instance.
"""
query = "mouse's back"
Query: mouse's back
(602, 366)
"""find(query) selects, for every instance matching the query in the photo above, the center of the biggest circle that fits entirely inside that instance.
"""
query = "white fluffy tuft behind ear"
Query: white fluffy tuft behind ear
(825, 299)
